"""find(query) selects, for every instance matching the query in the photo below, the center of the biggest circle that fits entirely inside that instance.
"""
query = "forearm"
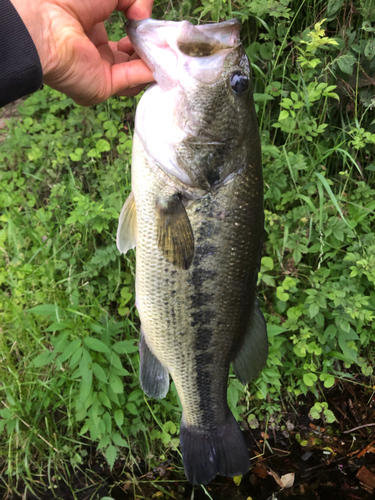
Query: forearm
(20, 68)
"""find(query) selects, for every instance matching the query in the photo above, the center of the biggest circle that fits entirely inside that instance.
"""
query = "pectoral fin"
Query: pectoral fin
(127, 226)
(253, 355)
(175, 235)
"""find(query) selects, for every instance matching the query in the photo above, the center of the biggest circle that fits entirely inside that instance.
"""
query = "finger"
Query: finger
(90, 13)
(97, 34)
(136, 9)
(134, 57)
(125, 46)
(120, 57)
(113, 46)
(129, 75)
(106, 53)
(132, 92)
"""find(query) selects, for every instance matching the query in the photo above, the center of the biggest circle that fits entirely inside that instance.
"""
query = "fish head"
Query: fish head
(204, 98)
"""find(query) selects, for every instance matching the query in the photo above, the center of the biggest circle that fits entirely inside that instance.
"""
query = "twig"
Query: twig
(359, 427)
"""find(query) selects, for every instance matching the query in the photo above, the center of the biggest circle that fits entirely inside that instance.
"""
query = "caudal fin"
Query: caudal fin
(206, 454)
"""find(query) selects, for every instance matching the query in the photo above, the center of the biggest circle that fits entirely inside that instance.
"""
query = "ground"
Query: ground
(321, 461)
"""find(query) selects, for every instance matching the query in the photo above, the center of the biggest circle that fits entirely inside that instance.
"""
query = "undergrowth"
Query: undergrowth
(69, 328)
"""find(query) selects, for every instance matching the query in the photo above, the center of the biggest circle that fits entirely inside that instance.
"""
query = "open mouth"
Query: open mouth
(167, 46)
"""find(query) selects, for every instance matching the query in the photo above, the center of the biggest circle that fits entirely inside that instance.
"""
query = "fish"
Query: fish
(195, 216)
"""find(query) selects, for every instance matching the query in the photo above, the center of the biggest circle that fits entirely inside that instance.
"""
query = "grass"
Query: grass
(68, 330)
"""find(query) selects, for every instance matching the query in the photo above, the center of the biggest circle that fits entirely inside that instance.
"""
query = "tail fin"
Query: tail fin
(222, 451)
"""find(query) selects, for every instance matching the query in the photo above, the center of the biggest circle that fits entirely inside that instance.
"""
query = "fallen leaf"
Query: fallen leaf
(259, 471)
(306, 455)
(365, 450)
(366, 477)
(237, 480)
(285, 481)
(264, 435)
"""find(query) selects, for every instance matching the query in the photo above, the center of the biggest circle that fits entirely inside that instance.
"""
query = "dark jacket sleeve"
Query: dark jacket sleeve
(20, 68)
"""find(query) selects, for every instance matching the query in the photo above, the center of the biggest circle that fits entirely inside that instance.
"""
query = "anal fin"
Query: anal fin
(153, 376)
(252, 357)
(175, 235)
(127, 226)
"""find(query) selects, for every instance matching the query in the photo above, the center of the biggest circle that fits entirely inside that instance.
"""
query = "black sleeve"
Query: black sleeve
(20, 68)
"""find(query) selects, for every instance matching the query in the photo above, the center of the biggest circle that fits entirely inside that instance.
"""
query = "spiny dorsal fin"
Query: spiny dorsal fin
(253, 354)
(175, 235)
(153, 376)
(127, 226)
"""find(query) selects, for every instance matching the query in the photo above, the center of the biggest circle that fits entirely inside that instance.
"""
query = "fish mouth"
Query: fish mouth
(168, 48)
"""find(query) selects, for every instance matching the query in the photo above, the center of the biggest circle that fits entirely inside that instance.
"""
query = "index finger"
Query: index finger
(135, 9)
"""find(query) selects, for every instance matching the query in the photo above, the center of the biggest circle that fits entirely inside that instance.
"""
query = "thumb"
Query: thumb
(130, 74)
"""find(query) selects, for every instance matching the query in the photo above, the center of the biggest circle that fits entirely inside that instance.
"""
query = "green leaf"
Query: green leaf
(283, 115)
(370, 49)
(330, 416)
(281, 295)
(323, 180)
(103, 398)
(47, 310)
(84, 393)
(76, 357)
(99, 372)
(309, 379)
(96, 345)
(313, 310)
(267, 263)
(346, 63)
(119, 417)
(262, 97)
(102, 145)
(119, 440)
(273, 330)
(116, 384)
(70, 350)
(111, 455)
(170, 427)
(136, 395)
(132, 408)
(233, 396)
(333, 7)
(85, 368)
(105, 441)
(43, 359)
(328, 380)
(125, 347)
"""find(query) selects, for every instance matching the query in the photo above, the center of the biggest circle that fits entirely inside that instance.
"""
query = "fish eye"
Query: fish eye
(239, 82)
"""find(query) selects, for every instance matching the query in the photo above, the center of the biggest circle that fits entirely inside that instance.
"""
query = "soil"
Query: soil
(320, 461)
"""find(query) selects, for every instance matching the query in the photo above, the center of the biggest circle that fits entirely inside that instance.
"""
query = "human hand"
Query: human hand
(74, 50)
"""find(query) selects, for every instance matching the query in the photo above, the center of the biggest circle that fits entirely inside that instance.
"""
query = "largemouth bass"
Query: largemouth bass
(195, 215)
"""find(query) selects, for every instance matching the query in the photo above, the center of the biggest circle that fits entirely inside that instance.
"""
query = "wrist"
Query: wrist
(35, 18)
